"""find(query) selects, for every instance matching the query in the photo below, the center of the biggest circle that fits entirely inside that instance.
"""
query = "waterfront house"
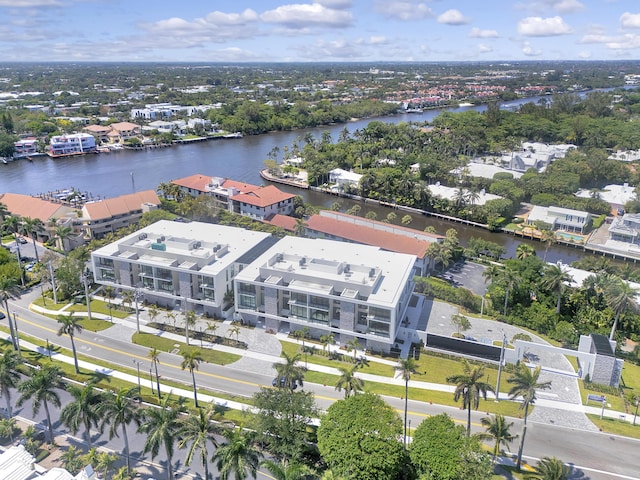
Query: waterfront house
(615, 195)
(108, 215)
(100, 132)
(262, 203)
(126, 130)
(340, 179)
(25, 148)
(344, 289)
(563, 219)
(71, 144)
(626, 228)
(187, 266)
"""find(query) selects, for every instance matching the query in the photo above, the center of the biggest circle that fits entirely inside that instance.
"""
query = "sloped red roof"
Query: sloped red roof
(389, 241)
(282, 221)
(121, 205)
(33, 207)
(242, 187)
(194, 182)
(97, 129)
(263, 196)
(120, 126)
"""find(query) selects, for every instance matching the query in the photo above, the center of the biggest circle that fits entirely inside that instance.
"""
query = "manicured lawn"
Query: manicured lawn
(615, 426)
(49, 304)
(168, 345)
(98, 306)
(631, 377)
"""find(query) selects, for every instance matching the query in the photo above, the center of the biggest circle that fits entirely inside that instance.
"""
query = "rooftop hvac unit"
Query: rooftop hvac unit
(302, 261)
(161, 239)
(197, 245)
(142, 236)
(372, 272)
(216, 248)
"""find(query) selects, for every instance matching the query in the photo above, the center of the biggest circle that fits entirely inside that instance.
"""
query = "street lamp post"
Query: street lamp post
(15, 325)
(138, 362)
(504, 341)
(85, 277)
(151, 380)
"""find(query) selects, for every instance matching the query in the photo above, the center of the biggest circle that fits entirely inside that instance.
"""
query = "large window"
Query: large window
(247, 295)
(299, 311)
(298, 298)
(380, 314)
(321, 303)
(378, 328)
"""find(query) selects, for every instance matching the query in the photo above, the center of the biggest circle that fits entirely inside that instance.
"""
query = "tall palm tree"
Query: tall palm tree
(161, 426)
(63, 232)
(552, 468)
(7, 288)
(70, 325)
(290, 374)
(42, 388)
(12, 224)
(621, 297)
(497, 429)
(237, 455)
(287, 470)
(354, 345)
(154, 356)
(191, 359)
(509, 279)
(119, 410)
(197, 432)
(84, 409)
(405, 368)
(470, 387)
(525, 383)
(349, 382)
(555, 279)
(31, 227)
(524, 250)
(9, 376)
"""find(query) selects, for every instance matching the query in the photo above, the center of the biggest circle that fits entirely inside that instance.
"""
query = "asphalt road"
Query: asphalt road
(596, 456)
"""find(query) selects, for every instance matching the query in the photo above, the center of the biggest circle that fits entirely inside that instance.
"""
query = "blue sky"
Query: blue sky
(318, 30)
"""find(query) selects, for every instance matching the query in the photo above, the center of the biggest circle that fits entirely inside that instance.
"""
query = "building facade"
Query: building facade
(72, 144)
(186, 266)
(348, 290)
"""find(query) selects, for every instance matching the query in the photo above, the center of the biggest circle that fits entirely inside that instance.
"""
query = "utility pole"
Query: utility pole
(504, 342)
(85, 277)
(53, 282)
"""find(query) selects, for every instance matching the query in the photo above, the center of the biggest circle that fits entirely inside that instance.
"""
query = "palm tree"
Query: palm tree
(69, 326)
(497, 429)
(7, 288)
(161, 426)
(41, 389)
(289, 373)
(551, 468)
(524, 250)
(9, 376)
(302, 334)
(470, 387)
(287, 470)
(405, 368)
(509, 279)
(191, 359)
(63, 232)
(237, 455)
(354, 345)
(525, 383)
(349, 382)
(621, 297)
(555, 279)
(196, 432)
(326, 340)
(31, 227)
(154, 355)
(83, 409)
(119, 410)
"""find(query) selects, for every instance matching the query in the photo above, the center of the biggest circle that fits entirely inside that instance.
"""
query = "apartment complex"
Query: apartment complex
(71, 144)
(344, 289)
(189, 266)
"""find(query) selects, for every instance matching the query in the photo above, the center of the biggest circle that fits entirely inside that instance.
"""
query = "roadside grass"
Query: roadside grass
(631, 377)
(99, 306)
(167, 345)
(49, 304)
(614, 402)
(615, 426)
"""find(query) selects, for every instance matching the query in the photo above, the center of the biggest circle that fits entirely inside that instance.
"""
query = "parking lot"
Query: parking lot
(466, 274)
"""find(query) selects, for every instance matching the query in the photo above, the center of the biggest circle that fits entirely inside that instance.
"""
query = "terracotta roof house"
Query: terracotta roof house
(105, 216)
(262, 203)
(99, 131)
(126, 130)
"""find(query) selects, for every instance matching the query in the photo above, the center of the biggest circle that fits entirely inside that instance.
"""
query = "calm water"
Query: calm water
(117, 173)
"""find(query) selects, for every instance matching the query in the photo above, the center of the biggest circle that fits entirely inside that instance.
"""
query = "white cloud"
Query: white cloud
(300, 16)
(478, 33)
(529, 51)
(337, 4)
(627, 42)
(403, 9)
(560, 6)
(377, 40)
(630, 20)
(585, 55)
(30, 3)
(453, 17)
(543, 27)
(482, 48)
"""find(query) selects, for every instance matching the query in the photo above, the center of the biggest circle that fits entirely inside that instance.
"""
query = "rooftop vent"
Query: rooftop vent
(142, 236)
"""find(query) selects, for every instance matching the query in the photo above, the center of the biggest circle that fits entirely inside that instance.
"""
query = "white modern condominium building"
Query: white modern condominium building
(348, 290)
(180, 265)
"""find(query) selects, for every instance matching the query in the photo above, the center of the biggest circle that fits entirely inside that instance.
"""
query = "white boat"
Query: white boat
(233, 135)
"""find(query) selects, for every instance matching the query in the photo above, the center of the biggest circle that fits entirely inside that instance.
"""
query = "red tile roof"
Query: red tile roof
(389, 241)
(283, 221)
(242, 187)
(97, 129)
(194, 182)
(121, 205)
(263, 196)
(125, 126)
(33, 207)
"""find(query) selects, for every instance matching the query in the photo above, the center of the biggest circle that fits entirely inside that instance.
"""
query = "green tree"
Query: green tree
(621, 297)
(154, 356)
(238, 455)
(72, 459)
(7, 289)
(31, 227)
(435, 450)
(555, 279)
(551, 468)
(161, 426)
(42, 388)
(289, 373)
(69, 325)
(287, 470)
(63, 232)
(191, 358)
(498, 429)
(284, 418)
(83, 410)
(358, 438)
(196, 433)
(460, 322)
(119, 410)
(405, 368)
(525, 383)
(9, 376)
(348, 381)
(470, 387)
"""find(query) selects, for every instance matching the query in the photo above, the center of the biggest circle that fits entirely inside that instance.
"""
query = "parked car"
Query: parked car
(2, 316)
(22, 240)
(280, 382)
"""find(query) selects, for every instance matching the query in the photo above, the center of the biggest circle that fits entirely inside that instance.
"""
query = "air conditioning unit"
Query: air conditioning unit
(142, 236)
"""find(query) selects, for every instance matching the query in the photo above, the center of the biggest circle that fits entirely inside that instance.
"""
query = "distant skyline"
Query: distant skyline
(318, 30)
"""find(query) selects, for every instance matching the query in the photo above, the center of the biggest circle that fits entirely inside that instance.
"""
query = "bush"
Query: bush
(441, 290)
